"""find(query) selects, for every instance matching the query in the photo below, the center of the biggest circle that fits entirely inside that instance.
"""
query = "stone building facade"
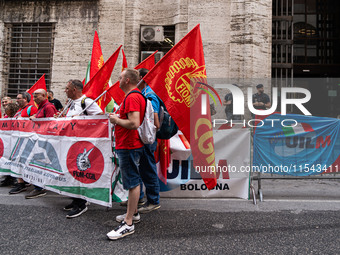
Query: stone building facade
(236, 34)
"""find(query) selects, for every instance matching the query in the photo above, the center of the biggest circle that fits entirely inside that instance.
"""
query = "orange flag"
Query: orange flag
(100, 81)
(40, 84)
(124, 64)
(175, 80)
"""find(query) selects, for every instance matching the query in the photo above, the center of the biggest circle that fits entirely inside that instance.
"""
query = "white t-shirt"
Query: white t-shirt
(75, 107)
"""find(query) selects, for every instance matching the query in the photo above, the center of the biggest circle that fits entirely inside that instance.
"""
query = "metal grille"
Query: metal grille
(282, 41)
(162, 47)
(28, 52)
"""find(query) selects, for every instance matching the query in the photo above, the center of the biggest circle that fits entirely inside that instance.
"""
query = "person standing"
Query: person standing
(57, 104)
(228, 103)
(25, 111)
(148, 168)
(10, 110)
(129, 148)
(261, 100)
(5, 101)
(45, 110)
(73, 91)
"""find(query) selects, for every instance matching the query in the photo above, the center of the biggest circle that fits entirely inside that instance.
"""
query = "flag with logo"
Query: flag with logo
(175, 80)
(297, 145)
(100, 81)
(97, 59)
(40, 84)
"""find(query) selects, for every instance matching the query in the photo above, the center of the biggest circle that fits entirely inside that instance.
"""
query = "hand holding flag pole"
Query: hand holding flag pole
(102, 94)
(148, 63)
(66, 107)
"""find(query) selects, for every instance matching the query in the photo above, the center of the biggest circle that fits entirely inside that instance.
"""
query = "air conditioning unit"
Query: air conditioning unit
(145, 54)
(152, 34)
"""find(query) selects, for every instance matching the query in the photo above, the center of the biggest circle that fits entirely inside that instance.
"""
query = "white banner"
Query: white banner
(232, 153)
(70, 156)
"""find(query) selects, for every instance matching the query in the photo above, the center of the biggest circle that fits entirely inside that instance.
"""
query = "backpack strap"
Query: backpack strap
(29, 110)
(43, 108)
(83, 105)
(135, 91)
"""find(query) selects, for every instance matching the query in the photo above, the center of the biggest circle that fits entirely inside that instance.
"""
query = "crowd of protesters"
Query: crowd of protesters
(137, 161)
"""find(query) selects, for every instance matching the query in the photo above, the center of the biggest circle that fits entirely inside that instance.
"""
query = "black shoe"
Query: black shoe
(36, 193)
(8, 181)
(19, 187)
(76, 211)
(148, 207)
(27, 184)
(141, 202)
(69, 207)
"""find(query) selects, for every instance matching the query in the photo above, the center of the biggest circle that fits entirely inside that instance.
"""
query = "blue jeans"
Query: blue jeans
(38, 188)
(148, 173)
(129, 165)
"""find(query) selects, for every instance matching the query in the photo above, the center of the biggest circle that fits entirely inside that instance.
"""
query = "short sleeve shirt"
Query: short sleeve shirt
(129, 138)
(149, 94)
(56, 103)
(26, 111)
(76, 109)
(264, 98)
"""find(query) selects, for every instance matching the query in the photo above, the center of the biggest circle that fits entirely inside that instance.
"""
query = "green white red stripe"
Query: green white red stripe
(298, 129)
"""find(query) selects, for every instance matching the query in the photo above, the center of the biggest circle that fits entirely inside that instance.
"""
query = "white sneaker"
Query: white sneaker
(135, 218)
(121, 231)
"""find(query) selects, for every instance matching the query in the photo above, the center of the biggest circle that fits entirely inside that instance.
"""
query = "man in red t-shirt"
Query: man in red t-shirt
(129, 148)
(45, 110)
(26, 110)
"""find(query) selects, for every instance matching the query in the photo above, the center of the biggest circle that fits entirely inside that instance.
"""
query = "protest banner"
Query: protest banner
(297, 145)
(232, 148)
(70, 156)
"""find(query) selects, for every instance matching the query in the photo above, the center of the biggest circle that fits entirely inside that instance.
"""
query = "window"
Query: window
(28, 55)
(153, 38)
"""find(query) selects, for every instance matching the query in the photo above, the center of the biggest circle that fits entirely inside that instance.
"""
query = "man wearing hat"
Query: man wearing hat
(261, 100)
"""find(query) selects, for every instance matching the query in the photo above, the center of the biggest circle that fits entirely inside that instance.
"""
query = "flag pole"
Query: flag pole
(66, 107)
(102, 94)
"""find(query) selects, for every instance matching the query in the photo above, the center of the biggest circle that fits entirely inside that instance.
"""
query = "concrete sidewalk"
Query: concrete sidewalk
(299, 217)
(278, 195)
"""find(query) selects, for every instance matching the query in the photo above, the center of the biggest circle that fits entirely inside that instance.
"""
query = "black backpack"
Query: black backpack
(83, 105)
(168, 127)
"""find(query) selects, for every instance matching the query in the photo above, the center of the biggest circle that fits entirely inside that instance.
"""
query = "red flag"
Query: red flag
(116, 92)
(174, 79)
(100, 81)
(40, 84)
(97, 60)
(162, 154)
(124, 64)
(147, 63)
